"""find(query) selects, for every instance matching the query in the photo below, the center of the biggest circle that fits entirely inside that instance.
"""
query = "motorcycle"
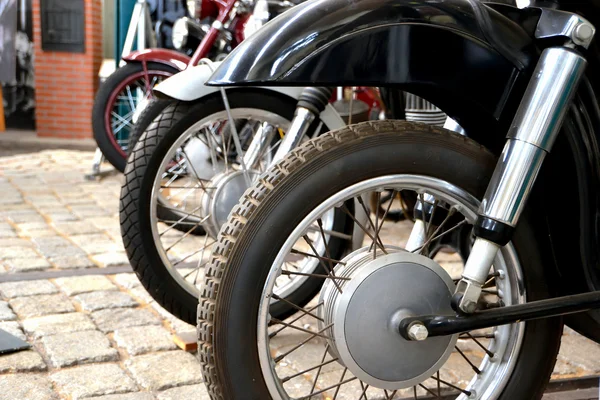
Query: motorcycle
(484, 278)
(212, 28)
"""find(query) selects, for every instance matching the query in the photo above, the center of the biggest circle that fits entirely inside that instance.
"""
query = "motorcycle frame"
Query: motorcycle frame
(445, 52)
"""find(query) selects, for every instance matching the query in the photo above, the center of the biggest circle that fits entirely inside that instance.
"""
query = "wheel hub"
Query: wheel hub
(217, 203)
(366, 314)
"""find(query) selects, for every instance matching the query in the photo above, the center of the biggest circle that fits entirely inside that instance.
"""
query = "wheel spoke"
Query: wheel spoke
(322, 364)
(336, 234)
(487, 351)
(187, 233)
(329, 388)
(302, 310)
(389, 396)
(329, 260)
(430, 238)
(467, 360)
(194, 253)
(190, 214)
(443, 382)
(364, 391)
(376, 238)
(312, 390)
(339, 278)
(329, 272)
(345, 209)
(428, 390)
(383, 217)
(273, 334)
(280, 322)
(337, 390)
(461, 223)
(312, 336)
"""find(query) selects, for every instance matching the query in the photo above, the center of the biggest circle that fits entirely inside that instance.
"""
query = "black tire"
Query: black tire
(113, 153)
(140, 173)
(152, 110)
(245, 250)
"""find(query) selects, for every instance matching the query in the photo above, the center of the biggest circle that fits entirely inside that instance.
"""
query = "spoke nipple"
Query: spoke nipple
(501, 274)
(417, 331)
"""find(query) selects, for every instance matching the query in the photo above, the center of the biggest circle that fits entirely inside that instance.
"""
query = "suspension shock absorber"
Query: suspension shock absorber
(311, 103)
(533, 131)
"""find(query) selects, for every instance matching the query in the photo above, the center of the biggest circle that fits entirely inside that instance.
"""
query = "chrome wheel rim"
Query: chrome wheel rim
(175, 247)
(501, 346)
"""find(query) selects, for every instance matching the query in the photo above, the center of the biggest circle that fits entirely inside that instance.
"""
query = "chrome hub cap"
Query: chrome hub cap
(366, 313)
(217, 204)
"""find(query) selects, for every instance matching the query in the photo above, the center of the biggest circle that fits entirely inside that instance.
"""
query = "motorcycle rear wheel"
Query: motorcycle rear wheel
(232, 332)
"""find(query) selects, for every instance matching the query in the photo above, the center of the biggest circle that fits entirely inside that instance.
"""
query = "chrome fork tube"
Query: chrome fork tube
(533, 131)
(311, 103)
(303, 117)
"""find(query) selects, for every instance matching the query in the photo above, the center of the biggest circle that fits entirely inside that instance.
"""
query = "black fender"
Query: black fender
(465, 56)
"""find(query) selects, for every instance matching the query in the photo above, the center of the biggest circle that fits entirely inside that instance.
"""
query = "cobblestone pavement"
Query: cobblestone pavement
(96, 335)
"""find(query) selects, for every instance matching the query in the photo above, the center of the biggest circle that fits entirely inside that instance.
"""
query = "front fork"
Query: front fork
(531, 136)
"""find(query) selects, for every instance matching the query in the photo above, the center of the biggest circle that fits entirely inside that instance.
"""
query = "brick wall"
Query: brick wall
(66, 83)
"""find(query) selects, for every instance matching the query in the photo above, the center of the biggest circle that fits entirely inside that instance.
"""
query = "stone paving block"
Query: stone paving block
(8, 253)
(26, 386)
(13, 328)
(196, 392)
(8, 234)
(141, 294)
(61, 217)
(47, 232)
(72, 262)
(83, 284)
(581, 352)
(60, 323)
(177, 369)
(45, 304)
(75, 228)
(128, 396)
(6, 314)
(22, 361)
(11, 290)
(104, 223)
(112, 259)
(66, 349)
(27, 264)
(92, 380)
(85, 211)
(15, 242)
(26, 218)
(128, 281)
(62, 251)
(101, 300)
(112, 320)
(144, 339)
(56, 241)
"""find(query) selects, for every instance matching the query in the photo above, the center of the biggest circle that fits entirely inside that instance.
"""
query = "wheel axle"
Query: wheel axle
(440, 325)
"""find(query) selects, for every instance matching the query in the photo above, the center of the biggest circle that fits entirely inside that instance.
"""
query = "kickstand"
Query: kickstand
(96, 163)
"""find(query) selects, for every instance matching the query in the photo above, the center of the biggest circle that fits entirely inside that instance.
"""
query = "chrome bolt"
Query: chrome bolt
(584, 32)
(417, 331)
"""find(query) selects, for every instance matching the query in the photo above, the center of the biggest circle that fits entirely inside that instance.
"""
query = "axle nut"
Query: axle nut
(584, 32)
(417, 331)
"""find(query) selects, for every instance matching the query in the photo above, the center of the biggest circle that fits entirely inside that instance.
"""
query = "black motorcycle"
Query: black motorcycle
(468, 301)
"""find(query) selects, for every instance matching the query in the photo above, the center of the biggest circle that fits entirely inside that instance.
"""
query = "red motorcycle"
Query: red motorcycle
(216, 27)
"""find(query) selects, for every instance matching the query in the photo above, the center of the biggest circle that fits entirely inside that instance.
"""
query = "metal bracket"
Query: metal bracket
(555, 23)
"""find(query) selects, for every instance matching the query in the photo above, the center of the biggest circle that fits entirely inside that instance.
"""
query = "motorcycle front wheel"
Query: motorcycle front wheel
(118, 100)
(343, 343)
(184, 173)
